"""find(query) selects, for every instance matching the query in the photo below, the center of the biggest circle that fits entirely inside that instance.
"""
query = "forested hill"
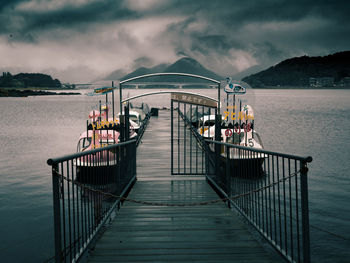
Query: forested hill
(28, 80)
(298, 71)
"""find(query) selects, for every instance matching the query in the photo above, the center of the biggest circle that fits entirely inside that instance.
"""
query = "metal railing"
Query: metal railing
(269, 189)
(142, 128)
(80, 183)
(187, 156)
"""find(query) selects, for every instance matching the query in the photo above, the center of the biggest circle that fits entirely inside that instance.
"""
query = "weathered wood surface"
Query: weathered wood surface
(149, 233)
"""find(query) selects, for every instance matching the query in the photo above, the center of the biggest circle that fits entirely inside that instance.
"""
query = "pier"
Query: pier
(171, 195)
(149, 233)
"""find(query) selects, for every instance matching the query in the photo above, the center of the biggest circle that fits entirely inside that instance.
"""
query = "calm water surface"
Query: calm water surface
(303, 122)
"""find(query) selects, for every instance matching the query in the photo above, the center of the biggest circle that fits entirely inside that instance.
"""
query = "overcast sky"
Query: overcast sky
(81, 40)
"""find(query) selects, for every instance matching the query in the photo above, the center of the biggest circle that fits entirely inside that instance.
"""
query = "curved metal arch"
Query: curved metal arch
(167, 92)
(169, 74)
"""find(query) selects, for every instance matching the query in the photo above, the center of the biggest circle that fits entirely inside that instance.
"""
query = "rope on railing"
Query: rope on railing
(55, 172)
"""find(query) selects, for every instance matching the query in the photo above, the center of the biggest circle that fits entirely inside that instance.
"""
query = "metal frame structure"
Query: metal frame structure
(268, 189)
(187, 156)
(83, 186)
(130, 80)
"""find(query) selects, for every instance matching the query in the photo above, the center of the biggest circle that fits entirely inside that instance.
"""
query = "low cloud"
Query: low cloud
(94, 37)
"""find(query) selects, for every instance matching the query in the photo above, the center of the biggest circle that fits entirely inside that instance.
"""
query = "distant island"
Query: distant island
(30, 84)
(332, 71)
(28, 80)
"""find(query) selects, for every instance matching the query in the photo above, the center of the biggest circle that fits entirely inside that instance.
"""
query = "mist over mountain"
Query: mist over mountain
(183, 65)
(190, 65)
(117, 74)
(143, 71)
(335, 68)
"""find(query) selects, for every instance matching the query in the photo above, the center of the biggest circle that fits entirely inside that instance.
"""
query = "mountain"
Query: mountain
(183, 65)
(333, 69)
(247, 72)
(144, 71)
(117, 74)
(190, 65)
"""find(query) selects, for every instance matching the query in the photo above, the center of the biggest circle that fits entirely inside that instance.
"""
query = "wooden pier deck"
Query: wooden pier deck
(144, 233)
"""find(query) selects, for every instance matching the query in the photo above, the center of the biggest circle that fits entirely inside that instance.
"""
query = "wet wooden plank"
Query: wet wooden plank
(151, 233)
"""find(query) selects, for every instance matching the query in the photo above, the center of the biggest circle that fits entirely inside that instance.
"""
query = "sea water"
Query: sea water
(296, 121)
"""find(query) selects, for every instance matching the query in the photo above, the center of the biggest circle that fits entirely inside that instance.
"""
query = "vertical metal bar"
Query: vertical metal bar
(113, 125)
(69, 213)
(261, 194)
(228, 174)
(219, 87)
(297, 207)
(118, 170)
(305, 212)
(57, 213)
(235, 114)
(284, 207)
(269, 181)
(172, 136)
(85, 218)
(266, 199)
(274, 198)
(240, 120)
(82, 207)
(198, 127)
(178, 137)
(202, 152)
(88, 203)
(120, 99)
(279, 203)
(100, 109)
(191, 135)
(184, 122)
(77, 205)
(290, 212)
(63, 212)
(254, 186)
(113, 98)
(107, 108)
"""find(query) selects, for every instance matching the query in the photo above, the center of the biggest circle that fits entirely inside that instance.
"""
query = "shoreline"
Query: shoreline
(27, 93)
(301, 87)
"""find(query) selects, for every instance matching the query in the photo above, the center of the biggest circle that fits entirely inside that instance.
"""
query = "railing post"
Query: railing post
(122, 127)
(172, 136)
(135, 160)
(228, 175)
(305, 211)
(217, 146)
(57, 213)
(127, 123)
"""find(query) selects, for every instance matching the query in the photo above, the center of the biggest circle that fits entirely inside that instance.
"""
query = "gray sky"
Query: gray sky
(81, 40)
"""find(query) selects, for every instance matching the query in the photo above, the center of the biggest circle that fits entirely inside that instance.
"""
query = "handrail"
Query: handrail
(80, 208)
(53, 161)
(307, 159)
(278, 204)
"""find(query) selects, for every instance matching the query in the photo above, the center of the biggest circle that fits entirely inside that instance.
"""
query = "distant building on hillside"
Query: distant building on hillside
(321, 82)
(344, 82)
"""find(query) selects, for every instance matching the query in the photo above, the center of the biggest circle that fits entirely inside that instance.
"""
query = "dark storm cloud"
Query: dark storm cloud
(22, 22)
(268, 30)
(227, 36)
(9, 3)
